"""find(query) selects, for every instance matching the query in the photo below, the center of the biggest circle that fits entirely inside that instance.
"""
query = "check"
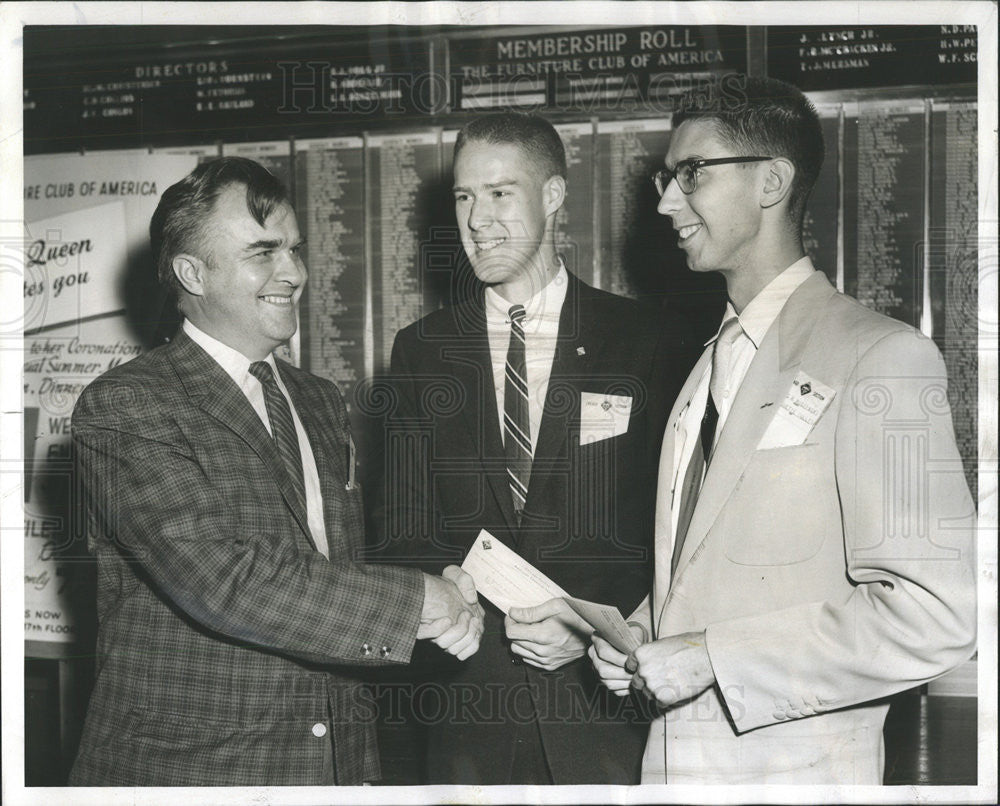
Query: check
(506, 578)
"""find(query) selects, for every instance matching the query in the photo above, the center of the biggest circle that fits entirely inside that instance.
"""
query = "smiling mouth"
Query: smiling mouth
(485, 246)
(687, 231)
(275, 300)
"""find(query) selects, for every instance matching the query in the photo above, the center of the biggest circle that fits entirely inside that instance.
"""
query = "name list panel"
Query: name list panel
(884, 154)
(330, 206)
(575, 221)
(822, 218)
(404, 175)
(275, 155)
(954, 266)
(628, 153)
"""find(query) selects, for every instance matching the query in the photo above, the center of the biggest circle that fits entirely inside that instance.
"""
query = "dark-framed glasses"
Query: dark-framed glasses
(686, 172)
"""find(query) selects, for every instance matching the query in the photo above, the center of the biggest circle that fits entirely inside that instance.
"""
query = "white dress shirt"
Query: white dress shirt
(756, 319)
(541, 330)
(237, 366)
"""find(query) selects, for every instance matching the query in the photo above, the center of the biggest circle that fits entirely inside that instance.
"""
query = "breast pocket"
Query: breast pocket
(780, 513)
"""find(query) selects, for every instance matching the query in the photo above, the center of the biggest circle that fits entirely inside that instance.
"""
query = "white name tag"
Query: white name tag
(805, 402)
(603, 416)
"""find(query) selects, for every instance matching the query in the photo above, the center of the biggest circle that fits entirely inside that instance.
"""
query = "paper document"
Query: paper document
(607, 622)
(506, 578)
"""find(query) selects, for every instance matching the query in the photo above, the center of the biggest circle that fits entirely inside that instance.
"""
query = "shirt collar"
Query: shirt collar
(759, 315)
(236, 365)
(546, 304)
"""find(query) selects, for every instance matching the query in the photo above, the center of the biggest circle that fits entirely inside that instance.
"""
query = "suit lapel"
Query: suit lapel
(559, 414)
(762, 391)
(474, 370)
(331, 468)
(211, 388)
(674, 440)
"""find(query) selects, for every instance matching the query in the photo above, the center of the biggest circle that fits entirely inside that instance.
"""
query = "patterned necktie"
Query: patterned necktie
(722, 353)
(516, 425)
(282, 427)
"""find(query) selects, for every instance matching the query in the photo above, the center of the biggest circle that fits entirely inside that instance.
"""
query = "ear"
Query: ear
(190, 273)
(777, 183)
(553, 194)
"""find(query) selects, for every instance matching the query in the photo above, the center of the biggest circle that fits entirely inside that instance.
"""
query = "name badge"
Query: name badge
(603, 416)
(805, 402)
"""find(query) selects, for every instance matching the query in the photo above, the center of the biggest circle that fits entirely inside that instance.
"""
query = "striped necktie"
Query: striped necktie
(282, 427)
(516, 425)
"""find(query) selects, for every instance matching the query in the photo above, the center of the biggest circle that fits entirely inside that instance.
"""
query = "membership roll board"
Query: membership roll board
(821, 222)
(628, 153)
(574, 233)
(833, 57)
(954, 266)
(618, 69)
(884, 154)
(404, 185)
(330, 207)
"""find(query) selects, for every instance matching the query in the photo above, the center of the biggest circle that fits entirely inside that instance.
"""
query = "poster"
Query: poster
(58, 365)
(70, 267)
(86, 260)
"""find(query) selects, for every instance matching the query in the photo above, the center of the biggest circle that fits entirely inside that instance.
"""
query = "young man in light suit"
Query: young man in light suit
(814, 530)
(235, 620)
(553, 452)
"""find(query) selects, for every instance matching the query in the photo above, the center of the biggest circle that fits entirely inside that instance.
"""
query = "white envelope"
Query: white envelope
(603, 416)
(805, 402)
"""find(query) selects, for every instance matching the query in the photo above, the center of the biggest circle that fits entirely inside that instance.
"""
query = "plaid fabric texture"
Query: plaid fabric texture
(226, 640)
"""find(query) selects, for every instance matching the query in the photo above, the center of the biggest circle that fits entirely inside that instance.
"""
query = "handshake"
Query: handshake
(452, 616)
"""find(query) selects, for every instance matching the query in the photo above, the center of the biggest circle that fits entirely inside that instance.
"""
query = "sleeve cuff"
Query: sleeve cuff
(645, 632)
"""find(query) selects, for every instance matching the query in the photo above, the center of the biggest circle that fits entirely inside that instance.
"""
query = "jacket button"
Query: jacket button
(366, 649)
(384, 652)
(319, 730)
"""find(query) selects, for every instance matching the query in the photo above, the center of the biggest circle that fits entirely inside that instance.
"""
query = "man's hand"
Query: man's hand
(547, 636)
(609, 663)
(452, 616)
(672, 669)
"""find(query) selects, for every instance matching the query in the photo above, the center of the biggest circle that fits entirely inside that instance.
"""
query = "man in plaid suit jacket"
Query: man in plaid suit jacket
(235, 621)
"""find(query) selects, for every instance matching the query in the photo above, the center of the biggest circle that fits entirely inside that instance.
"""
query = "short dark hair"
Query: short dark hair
(179, 222)
(763, 116)
(533, 134)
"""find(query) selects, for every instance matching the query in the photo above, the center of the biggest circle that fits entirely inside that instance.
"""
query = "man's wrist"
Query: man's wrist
(428, 593)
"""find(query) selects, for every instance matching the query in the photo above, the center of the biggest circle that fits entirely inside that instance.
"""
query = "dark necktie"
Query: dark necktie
(282, 427)
(721, 356)
(516, 425)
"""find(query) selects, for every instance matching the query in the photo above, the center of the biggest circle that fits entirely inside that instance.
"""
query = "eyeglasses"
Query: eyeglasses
(686, 172)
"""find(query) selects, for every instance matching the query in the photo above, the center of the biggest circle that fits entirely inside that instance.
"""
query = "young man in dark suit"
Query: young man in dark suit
(235, 620)
(534, 411)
